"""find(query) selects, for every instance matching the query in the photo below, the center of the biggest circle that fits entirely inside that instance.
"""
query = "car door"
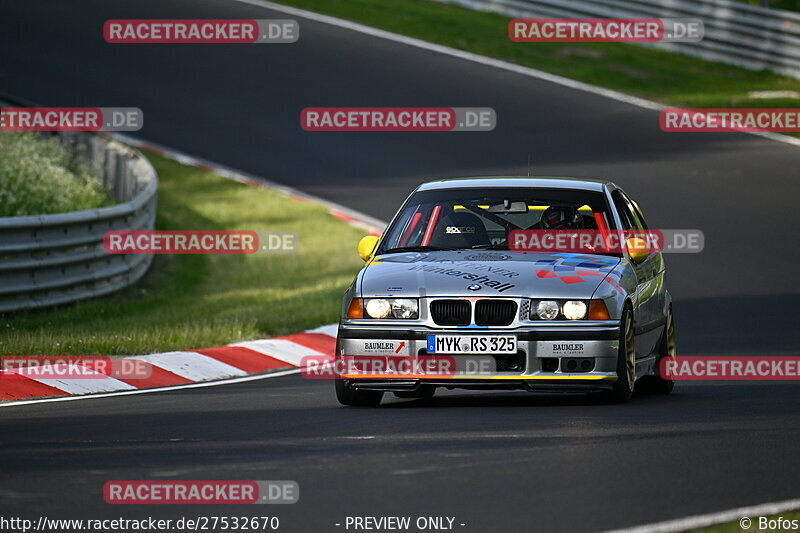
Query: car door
(645, 303)
(650, 331)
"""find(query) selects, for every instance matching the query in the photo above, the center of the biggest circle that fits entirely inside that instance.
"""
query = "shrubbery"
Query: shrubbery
(37, 177)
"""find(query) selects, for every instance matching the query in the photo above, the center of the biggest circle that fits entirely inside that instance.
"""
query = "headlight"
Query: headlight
(547, 309)
(574, 309)
(379, 308)
(405, 308)
(568, 310)
(392, 308)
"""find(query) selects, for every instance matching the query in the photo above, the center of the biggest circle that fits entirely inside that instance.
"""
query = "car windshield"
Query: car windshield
(468, 219)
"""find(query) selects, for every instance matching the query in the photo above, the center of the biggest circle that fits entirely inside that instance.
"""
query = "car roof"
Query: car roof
(517, 181)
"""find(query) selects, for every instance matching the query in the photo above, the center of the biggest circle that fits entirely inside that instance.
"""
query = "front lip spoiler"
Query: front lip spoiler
(532, 383)
(590, 334)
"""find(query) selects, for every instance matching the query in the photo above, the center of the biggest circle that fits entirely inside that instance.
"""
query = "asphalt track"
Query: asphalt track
(497, 462)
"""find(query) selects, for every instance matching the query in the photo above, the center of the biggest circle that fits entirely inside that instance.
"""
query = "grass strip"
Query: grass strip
(198, 301)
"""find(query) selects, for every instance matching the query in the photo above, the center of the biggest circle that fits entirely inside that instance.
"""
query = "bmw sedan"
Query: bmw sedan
(507, 283)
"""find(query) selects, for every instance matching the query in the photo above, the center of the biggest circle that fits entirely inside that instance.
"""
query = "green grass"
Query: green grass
(39, 177)
(734, 527)
(789, 5)
(198, 301)
(657, 75)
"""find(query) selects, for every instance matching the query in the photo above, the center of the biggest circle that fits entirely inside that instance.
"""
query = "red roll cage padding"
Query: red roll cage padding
(602, 226)
(410, 229)
(431, 225)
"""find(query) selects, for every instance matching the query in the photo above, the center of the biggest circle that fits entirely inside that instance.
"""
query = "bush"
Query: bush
(37, 177)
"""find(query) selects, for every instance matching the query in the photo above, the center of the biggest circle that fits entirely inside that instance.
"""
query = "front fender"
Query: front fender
(618, 287)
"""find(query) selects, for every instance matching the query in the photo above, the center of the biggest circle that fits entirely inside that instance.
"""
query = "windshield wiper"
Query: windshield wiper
(494, 246)
(417, 249)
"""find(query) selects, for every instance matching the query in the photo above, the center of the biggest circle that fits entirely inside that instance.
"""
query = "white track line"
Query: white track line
(711, 519)
(255, 377)
(483, 60)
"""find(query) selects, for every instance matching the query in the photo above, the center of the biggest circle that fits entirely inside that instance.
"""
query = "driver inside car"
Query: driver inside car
(561, 217)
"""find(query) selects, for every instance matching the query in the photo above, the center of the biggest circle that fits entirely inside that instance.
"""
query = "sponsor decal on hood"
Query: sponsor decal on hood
(453, 273)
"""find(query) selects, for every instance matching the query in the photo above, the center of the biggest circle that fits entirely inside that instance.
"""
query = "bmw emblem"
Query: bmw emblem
(474, 287)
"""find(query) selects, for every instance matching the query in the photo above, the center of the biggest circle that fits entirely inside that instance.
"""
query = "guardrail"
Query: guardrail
(747, 36)
(53, 259)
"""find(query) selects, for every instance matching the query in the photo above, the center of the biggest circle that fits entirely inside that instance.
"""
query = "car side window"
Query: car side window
(641, 216)
(634, 209)
(628, 220)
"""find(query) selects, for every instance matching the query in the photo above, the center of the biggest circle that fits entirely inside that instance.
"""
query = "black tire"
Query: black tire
(626, 362)
(423, 393)
(356, 398)
(667, 348)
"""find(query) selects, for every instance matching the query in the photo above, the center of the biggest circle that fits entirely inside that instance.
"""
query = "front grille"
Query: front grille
(450, 312)
(495, 312)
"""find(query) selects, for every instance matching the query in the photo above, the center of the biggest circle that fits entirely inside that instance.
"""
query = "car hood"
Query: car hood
(489, 273)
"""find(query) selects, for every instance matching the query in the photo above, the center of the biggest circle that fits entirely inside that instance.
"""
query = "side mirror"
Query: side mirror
(637, 249)
(366, 247)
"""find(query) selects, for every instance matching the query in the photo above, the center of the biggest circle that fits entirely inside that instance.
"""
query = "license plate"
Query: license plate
(461, 344)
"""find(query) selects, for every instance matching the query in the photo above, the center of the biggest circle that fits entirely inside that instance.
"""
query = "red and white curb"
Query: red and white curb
(243, 361)
(179, 368)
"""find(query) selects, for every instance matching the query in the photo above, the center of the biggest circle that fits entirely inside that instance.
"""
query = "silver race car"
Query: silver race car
(453, 294)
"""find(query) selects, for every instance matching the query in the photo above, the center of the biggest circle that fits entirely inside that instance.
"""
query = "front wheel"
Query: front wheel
(626, 362)
(356, 398)
(667, 349)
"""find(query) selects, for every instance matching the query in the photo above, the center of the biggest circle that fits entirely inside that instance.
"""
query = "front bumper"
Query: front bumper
(564, 358)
